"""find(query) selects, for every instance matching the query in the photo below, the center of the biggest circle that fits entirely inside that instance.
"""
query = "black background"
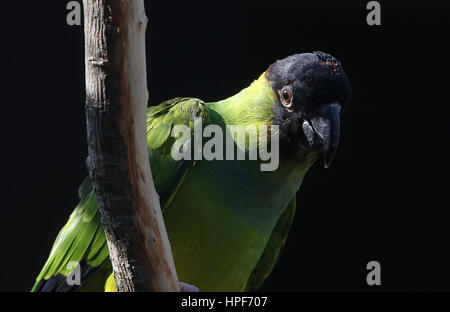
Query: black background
(386, 196)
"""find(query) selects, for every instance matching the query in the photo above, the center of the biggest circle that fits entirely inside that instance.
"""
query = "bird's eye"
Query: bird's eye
(286, 97)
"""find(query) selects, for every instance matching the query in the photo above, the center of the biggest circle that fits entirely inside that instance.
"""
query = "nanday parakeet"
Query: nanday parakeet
(227, 221)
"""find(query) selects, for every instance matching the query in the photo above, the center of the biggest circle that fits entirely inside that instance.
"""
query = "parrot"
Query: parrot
(227, 220)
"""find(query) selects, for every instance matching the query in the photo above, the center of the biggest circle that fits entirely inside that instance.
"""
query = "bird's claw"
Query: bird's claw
(187, 288)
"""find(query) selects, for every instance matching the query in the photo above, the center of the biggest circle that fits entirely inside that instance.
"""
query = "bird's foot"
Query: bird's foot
(187, 288)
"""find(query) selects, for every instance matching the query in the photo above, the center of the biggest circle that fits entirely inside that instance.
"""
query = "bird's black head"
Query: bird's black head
(313, 91)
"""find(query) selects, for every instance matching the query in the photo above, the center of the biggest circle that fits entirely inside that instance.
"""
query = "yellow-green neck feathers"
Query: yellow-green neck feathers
(253, 105)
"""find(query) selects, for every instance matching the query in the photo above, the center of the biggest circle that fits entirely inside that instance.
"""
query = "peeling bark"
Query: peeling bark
(116, 103)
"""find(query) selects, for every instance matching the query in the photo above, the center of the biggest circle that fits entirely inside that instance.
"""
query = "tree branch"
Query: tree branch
(116, 103)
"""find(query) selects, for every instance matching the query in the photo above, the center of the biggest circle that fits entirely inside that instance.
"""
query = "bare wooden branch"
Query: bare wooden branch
(116, 102)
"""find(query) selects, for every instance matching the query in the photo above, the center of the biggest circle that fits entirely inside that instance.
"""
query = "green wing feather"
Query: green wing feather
(167, 172)
(273, 248)
(82, 239)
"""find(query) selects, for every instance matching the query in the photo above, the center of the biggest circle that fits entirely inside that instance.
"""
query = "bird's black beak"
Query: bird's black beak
(327, 125)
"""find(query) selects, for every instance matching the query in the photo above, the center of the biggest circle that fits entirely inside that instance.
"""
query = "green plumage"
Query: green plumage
(226, 220)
